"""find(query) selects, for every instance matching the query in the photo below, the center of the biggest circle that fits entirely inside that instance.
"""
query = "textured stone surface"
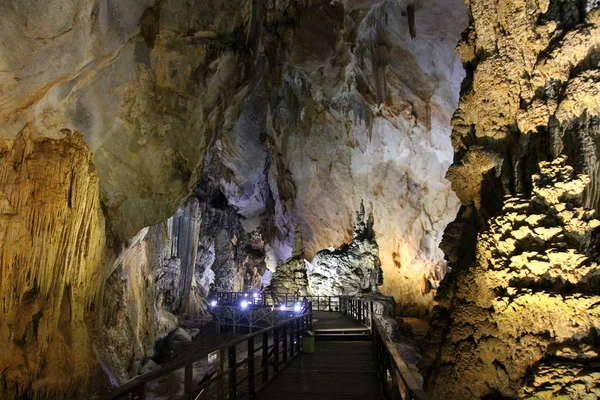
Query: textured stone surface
(352, 269)
(51, 243)
(353, 108)
(290, 277)
(530, 300)
(519, 308)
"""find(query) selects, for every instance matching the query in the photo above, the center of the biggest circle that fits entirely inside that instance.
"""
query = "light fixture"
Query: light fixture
(245, 294)
(244, 304)
(255, 295)
(213, 303)
(282, 308)
(297, 307)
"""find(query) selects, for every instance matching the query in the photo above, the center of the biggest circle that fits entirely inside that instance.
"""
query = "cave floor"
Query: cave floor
(337, 370)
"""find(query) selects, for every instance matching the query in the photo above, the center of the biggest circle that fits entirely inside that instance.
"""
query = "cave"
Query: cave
(429, 169)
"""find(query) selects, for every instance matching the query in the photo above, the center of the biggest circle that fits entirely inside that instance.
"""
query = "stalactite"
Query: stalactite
(51, 241)
(410, 11)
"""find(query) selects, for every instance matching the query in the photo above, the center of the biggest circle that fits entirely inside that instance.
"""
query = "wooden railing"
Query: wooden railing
(360, 310)
(395, 378)
(267, 350)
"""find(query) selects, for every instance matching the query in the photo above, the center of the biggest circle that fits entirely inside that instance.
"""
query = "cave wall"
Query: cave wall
(350, 107)
(518, 313)
(147, 87)
(51, 247)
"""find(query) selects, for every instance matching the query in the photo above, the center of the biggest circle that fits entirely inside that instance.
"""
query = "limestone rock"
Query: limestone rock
(181, 335)
(291, 276)
(528, 304)
(352, 269)
(51, 244)
(149, 366)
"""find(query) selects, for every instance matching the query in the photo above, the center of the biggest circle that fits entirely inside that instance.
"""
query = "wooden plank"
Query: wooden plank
(337, 370)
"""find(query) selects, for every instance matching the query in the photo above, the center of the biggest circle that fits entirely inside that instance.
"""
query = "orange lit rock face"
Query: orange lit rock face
(528, 304)
(51, 242)
(518, 313)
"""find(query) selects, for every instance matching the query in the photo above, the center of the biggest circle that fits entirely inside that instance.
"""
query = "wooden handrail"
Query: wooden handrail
(297, 323)
(388, 358)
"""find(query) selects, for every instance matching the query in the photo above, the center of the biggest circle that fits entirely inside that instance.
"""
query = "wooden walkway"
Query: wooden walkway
(337, 370)
(324, 320)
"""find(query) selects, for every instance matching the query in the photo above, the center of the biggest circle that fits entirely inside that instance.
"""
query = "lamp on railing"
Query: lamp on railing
(282, 308)
(244, 304)
(213, 303)
(297, 307)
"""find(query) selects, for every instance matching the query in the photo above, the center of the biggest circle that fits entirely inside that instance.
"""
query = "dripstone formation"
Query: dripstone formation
(528, 304)
(291, 276)
(352, 269)
(518, 313)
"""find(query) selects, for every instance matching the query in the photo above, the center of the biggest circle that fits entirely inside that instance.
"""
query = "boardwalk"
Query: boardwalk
(323, 320)
(337, 370)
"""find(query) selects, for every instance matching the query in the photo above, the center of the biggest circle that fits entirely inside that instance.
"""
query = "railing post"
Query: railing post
(276, 350)
(359, 311)
(265, 357)
(329, 303)
(188, 379)
(251, 371)
(232, 373)
(292, 338)
(285, 342)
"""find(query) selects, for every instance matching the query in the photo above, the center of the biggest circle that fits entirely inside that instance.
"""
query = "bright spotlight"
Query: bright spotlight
(244, 304)
(297, 307)
(255, 295)
(213, 303)
(245, 294)
(282, 308)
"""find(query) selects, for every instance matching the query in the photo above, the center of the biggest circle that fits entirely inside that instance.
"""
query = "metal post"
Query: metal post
(265, 357)
(251, 371)
(276, 350)
(359, 311)
(232, 373)
(285, 342)
(188, 379)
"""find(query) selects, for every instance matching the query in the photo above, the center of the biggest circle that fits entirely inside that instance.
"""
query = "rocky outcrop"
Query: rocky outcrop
(290, 277)
(352, 269)
(528, 304)
(51, 244)
(519, 306)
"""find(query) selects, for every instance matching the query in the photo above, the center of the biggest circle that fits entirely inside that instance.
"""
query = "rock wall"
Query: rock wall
(149, 86)
(51, 244)
(518, 313)
(291, 277)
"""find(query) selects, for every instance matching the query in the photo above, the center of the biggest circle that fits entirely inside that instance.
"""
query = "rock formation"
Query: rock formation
(529, 303)
(51, 244)
(518, 313)
(352, 269)
(290, 277)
